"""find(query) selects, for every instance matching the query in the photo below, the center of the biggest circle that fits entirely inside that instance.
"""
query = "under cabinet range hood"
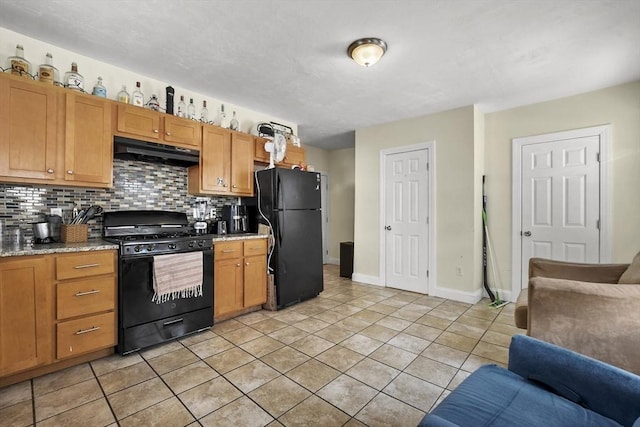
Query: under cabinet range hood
(151, 152)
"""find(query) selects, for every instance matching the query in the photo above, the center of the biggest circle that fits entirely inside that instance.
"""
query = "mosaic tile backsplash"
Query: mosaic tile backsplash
(137, 185)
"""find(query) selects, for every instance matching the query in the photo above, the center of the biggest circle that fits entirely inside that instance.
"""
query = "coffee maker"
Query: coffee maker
(236, 218)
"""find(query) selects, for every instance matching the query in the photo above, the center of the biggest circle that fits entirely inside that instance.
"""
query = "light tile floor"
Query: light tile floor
(356, 355)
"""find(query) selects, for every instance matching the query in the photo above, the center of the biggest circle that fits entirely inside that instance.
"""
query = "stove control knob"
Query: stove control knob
(151, 247)
(172, 245)
(137, 248)
(191, 244)
(200, 243)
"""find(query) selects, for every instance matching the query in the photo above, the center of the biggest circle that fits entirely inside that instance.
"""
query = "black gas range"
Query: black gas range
(145, 238)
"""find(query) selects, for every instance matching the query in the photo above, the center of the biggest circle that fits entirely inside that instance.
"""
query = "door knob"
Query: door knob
(527, 233)
(388, 228)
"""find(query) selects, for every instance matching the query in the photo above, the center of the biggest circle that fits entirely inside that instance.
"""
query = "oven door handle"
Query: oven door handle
(172, 322)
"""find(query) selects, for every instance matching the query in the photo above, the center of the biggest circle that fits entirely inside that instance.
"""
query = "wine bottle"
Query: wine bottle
(18, 64)
(137, 98)
(222, 117)
(47, 73)
(169, 104)
(73, 79)
(191, 110)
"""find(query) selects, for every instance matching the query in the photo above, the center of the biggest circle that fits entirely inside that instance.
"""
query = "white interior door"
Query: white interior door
(406, 195)
(560, 201)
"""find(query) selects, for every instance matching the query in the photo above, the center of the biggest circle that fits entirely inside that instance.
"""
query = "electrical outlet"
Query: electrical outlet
(459, 271)
(56, 211)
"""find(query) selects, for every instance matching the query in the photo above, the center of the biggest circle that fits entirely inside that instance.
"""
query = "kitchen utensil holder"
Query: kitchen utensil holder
(74, 233)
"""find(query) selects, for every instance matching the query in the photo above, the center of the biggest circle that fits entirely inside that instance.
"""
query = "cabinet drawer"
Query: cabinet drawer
(82, 297)
(255, 247)
(84, 264)
(84, 335)
(227, 250)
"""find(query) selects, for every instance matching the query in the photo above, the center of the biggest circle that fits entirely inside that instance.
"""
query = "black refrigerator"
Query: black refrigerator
(289, 200)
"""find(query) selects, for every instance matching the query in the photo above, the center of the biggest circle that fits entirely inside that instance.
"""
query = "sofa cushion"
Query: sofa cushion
(521, 311)
(494, 396)
(632, 273)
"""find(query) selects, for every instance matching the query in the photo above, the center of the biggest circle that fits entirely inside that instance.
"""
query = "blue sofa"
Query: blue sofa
(546, 386)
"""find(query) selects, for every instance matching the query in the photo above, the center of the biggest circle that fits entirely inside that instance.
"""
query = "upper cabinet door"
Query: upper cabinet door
(28, 129)
(215, 160)
(242, 153)
(182, 131)
(138, 121)
(88, 140)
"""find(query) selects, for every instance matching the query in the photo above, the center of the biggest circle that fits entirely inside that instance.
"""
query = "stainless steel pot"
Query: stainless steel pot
(41, 230)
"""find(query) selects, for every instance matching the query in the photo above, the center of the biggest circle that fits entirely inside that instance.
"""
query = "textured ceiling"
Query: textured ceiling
(288, 57)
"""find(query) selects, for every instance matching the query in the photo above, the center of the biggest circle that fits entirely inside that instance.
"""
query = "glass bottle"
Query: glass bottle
(18, 65)
(223, 120)
(234, 124)
(204, 113)
(73, 79)
(47, 73)
(191, 110)
(137, 98)
(153, 103)
(182, 107)
(123, 95)
(99, 89)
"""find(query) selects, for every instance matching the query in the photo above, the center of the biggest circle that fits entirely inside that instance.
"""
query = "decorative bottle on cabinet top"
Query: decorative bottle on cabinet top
(137, 98)
(191, 110)
(17, 64)
(73, 79)
(234, 124)
(182, 108)
(223, 121)
(47, 73)
(204, 113)
(123, 95)
(99, 89)
(153, 103)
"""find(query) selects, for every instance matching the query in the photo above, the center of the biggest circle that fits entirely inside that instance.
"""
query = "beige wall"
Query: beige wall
(339, 167)
(456, 190)
(618, 106)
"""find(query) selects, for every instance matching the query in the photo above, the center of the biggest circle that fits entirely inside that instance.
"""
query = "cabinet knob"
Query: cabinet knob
(70, 172)
(234, 186)
(246, 263)
(225, 185)
(238, 265)
(49, 171)
(156, 131)
(168, 133)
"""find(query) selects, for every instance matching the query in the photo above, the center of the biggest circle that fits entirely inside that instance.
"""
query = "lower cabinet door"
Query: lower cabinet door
(227, 286)
(86, 334)
(255, 280)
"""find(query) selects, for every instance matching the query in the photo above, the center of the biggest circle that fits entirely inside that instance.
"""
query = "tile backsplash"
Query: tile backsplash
(137, 185)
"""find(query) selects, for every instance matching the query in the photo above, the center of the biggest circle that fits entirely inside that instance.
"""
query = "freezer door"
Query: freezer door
(298, 256)
(295, 189)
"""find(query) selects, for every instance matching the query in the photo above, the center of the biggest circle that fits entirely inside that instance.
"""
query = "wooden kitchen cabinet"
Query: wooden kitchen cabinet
(85, 300)
(226, 164)
(29, 139)
(240, 276)
(26, 339)
(88, 144)
(141, 123)
(293, 157)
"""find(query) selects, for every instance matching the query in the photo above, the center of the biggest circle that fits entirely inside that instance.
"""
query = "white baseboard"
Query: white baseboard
(333, 261)
(452, 294)
(364, 278)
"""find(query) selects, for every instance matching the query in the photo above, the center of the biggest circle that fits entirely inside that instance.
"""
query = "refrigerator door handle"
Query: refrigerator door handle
(279, 193)
(280, 227)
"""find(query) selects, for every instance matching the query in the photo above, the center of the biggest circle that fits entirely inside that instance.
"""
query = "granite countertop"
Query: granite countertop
(11, 249)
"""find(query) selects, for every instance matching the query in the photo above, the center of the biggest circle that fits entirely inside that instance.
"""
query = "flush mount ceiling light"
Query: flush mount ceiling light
(367, 51)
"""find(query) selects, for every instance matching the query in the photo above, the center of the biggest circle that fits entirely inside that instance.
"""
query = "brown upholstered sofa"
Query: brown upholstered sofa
(583, 307)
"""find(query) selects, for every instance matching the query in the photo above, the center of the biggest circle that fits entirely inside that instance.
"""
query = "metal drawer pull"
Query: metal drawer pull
(86, 266)
(91, 292)
(84, 331)
(227, 251)
(171, 322)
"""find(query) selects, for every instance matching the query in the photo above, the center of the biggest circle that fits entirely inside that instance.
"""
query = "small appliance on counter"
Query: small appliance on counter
(200, 216)
(236, 218)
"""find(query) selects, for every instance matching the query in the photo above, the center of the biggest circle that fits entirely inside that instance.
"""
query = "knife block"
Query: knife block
(74, 233)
